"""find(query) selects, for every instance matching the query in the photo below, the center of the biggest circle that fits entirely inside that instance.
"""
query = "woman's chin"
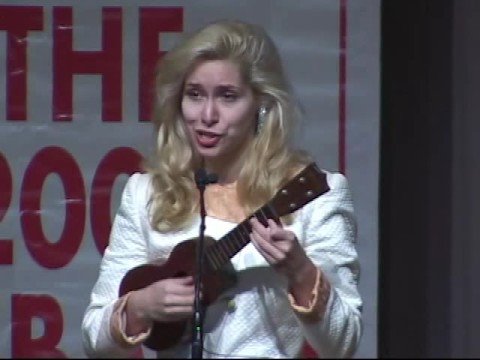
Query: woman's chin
(209, 152)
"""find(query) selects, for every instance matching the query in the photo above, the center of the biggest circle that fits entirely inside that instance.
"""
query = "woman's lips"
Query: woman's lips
(207, 139)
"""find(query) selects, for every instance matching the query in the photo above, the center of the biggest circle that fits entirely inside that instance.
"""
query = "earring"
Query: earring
(262, 114)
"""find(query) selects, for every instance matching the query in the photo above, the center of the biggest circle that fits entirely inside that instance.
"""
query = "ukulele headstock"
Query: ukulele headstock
(303, 188)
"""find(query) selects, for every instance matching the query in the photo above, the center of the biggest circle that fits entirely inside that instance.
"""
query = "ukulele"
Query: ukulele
(219, 273)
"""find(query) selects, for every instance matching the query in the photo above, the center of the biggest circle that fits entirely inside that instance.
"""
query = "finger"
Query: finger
(268, 250)
(180, 309)
(279, 233)
(258, 227)
(181, 290)
(256, 224)
(260, 249)
(283, 237)
(273, 225)
(185, 280)
(178, 300)
(173, 286)
(266, 243)
(176, 312)
(177, 281)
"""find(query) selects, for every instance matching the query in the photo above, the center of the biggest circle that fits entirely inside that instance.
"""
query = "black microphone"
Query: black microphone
(202, 178)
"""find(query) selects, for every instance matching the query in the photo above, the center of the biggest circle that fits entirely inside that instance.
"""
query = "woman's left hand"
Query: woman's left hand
(281, 249)
(284, 253)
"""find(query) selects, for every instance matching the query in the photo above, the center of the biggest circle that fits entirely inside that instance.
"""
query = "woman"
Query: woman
(223, 104)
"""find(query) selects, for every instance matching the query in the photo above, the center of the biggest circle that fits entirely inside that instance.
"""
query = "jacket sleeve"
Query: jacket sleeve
(127, 248)
(329, 240)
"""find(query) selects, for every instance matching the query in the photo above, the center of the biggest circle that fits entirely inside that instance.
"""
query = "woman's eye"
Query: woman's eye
(230, 96)
(193, 94)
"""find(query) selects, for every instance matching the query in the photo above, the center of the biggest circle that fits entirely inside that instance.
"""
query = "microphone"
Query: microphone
(202, 178)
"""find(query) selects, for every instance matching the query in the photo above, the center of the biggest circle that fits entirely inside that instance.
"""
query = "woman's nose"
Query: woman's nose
(209, 112)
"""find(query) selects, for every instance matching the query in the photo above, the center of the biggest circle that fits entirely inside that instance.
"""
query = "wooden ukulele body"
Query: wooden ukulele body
(181, 262)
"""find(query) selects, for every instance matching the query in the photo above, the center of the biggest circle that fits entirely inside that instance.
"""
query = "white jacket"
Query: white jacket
(262, 322)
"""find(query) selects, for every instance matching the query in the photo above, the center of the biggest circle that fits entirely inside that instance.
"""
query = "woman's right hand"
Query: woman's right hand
(165, 301)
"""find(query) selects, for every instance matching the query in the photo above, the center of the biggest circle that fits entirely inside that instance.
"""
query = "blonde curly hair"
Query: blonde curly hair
(270, 160)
